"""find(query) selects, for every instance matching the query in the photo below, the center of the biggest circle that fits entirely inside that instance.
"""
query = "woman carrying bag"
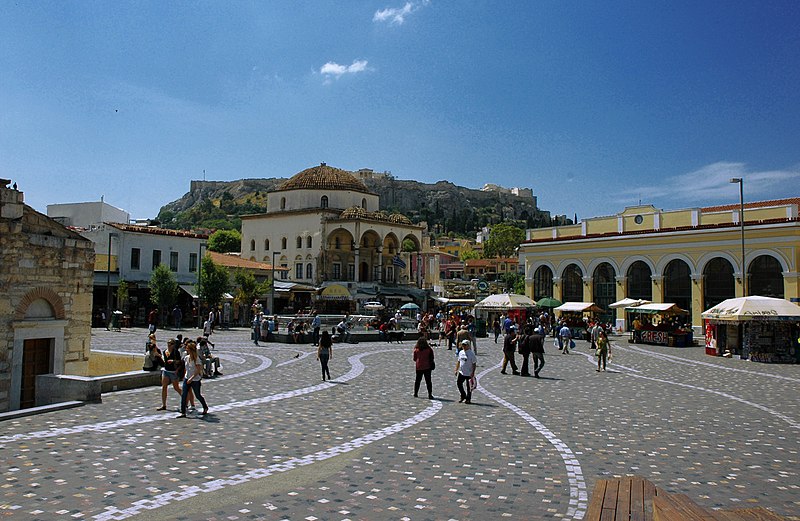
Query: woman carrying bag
(423, 356)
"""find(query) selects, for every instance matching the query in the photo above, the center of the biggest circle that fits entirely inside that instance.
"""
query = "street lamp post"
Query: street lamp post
(199, 276)
(108, 278)
(272, 289)
(740, 181)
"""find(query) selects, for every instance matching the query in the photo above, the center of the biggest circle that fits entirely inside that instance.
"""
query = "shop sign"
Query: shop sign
(655, 337)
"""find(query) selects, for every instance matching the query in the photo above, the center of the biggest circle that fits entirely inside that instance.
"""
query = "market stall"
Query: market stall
(660, 324)
(621, 323)
(577, 316)
(762, 329)
(517, 307)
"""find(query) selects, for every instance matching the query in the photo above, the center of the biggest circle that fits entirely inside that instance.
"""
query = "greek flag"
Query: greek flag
(397, 261)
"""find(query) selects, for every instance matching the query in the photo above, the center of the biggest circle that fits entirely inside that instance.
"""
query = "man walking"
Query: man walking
(564, 338)
(509, 346)
(256, 328)
(316, 323)
(524, 350)
(536, 343)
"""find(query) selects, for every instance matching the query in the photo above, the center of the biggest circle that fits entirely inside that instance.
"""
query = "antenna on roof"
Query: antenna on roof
(204, 174)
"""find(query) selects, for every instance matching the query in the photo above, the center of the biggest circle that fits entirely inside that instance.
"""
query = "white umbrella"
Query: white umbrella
(628, 303)
(505, 301)
(753, 308)
(373, 306)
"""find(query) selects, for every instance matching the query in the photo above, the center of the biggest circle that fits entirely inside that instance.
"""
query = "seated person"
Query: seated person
(343, 330)
(208, 359)
(297, 334)
(153, 359)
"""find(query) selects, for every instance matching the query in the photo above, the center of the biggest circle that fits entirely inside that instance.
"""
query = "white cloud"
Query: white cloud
(397, 15)
(335, 70)
(711, 184)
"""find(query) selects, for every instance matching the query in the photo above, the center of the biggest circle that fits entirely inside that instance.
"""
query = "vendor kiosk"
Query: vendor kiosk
(578, 315)
(761, 329)
(660, 324)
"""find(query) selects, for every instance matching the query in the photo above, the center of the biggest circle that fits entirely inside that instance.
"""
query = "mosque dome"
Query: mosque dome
(324, 177)
(399, 219)
(354, 212)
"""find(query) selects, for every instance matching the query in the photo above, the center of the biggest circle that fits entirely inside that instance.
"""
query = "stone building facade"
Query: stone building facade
(45, 310)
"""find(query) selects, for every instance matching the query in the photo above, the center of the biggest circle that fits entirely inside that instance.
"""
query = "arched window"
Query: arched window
(308, 242)
(299, 242)
(765, 277)
(323, 201)
(337, 243)
(283, 203)
(309, 271)
(605, 291)
(283, 243)
(542, 282)
(252, 245)
(718, 282)
(266, 244)
(364, 203)
(572, 284)
(640, 281)
(678, 285)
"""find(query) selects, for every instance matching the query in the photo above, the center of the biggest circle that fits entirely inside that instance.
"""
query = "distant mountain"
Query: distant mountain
(445, 206)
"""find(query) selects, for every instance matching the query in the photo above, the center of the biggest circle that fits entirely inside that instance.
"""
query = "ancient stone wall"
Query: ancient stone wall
(40, 259)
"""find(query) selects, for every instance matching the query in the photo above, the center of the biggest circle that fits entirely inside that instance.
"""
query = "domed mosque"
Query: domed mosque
(325, 226)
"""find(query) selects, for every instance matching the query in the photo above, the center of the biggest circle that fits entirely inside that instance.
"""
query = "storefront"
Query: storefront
(761, 329)
(660, 324)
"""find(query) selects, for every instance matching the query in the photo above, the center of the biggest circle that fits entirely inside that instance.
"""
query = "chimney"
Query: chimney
(11, 201)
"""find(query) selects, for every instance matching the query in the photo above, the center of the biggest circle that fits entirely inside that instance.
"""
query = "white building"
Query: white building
(134, 252)
(327, 228)
(85, 215)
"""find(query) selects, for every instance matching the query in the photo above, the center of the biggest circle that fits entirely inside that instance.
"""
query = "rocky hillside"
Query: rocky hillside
(446, 207)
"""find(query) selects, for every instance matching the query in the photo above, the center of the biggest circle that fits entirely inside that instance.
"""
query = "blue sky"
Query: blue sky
(594, 105)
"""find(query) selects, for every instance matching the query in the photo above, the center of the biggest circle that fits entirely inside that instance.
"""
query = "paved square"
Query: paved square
(280, 443)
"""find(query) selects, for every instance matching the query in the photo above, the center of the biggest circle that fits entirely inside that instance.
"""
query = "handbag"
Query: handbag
(433, 362)
(572, 344)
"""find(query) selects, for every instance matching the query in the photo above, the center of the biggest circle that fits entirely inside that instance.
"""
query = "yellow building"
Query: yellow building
(692, 257)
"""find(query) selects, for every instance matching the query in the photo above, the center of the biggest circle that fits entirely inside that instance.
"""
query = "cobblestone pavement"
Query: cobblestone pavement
(281, 444)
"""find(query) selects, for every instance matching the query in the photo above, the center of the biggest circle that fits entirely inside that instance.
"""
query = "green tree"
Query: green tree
(224, 241)
(214, 282)
(503, 240)
(163, 288)
(247, 288)
(468, 253)
(408, 245)
(122, 295)
(513, 282)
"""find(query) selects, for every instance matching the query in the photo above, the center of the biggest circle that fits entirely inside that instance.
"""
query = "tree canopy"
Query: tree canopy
(163, 287)
(225, 241)
(503, 240)
(214, 282)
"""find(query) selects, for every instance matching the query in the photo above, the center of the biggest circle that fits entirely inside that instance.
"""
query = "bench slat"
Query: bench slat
(624, 500)
(595, 508)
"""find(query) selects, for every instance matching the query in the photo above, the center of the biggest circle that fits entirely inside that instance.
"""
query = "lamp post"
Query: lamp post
(740, 181)
(108, 278)
(272, 288)
(199, 277)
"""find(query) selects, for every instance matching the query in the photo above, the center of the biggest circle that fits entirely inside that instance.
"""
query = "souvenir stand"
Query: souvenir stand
(577, 316)
(761, 329)
(660, 324)
(515, 306)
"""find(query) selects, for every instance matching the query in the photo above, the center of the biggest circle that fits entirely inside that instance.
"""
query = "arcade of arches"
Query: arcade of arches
(677, 282)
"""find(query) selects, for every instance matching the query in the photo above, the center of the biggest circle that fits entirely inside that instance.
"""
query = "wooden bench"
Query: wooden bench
(634, 498)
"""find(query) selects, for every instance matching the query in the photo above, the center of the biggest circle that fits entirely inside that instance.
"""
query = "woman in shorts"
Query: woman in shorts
(169, 374)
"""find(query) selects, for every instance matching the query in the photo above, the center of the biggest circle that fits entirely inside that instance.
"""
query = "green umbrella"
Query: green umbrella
(548, 302)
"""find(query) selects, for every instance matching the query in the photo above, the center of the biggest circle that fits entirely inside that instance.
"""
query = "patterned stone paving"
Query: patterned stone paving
(281, 444)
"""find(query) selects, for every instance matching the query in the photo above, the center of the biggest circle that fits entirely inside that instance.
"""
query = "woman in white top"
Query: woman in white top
(194, 374)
